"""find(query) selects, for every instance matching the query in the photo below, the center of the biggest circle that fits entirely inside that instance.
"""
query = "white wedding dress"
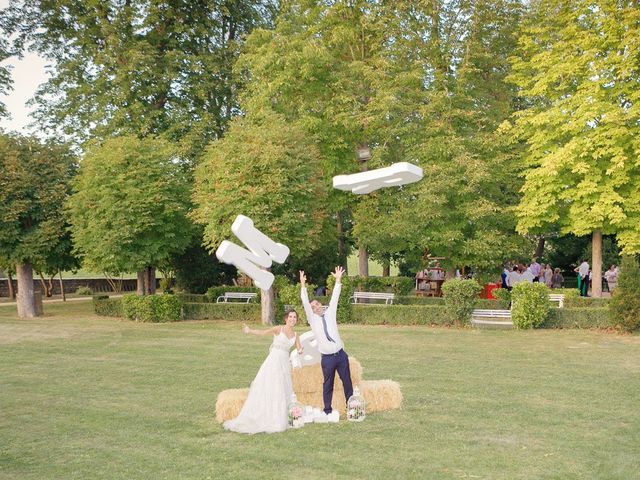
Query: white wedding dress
(266, 407)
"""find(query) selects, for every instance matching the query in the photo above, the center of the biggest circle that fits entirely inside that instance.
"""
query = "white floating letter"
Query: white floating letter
(366, 182)
(262, 251)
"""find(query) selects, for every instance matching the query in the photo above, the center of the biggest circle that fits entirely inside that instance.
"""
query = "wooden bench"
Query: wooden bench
(491, 318)
(236, 296)
(557, 297)
(387, 297)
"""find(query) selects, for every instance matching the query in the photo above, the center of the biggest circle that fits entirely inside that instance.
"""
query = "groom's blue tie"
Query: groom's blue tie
(326, 332)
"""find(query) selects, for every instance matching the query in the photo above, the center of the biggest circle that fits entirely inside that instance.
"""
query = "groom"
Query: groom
(325, 328)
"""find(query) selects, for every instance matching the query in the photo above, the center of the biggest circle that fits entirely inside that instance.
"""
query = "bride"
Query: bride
(266, 407)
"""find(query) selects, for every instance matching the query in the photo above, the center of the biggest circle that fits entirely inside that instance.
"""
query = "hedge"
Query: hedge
(400, 315)
(107, 307)
(194, 298)
(152, 308)
(248, 312)
(588, 317)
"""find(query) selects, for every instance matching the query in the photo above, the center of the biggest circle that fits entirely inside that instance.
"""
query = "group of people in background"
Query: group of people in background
(535, 272)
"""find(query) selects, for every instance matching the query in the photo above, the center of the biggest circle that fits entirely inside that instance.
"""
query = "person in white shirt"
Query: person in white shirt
(325, 328)
(513, 277)
(529, 276)
(583, 273)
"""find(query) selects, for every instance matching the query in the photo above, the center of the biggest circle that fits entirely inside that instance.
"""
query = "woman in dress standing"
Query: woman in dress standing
(266, 407)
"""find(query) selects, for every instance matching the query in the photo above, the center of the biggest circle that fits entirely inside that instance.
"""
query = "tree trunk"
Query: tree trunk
(140, 290)
(363, 262)
(26, 298)
(267, 302)
(539, 248)
(342, 250)
(44, 285)
(64, 296)
(150, 280)
(596, 264)
(386, 268)
(12, 292)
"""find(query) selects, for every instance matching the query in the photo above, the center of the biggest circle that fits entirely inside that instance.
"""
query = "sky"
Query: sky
(27, 74)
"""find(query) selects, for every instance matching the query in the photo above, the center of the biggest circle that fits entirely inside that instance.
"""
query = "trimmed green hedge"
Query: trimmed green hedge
(588, 317)
(246, 312)
(400, 315)
(108, 307)
(152, 308)
(193, 298)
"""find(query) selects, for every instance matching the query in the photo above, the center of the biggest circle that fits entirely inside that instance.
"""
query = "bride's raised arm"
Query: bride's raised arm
(272, 330)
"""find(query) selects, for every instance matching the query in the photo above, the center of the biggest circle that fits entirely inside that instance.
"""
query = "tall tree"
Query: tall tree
(129, 208)
(136, 67)
(267, 169)
(34, 185)
(6, 85)
(577, 66)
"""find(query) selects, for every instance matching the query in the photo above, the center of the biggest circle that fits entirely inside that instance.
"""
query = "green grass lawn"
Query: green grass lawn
(83, 397)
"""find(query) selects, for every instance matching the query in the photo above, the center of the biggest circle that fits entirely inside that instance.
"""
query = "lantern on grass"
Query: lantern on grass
(356, 407)
(296, 411)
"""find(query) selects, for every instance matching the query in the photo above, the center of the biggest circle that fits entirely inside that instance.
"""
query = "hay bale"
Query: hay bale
(381, 395)
(229, 403)
(309, 379)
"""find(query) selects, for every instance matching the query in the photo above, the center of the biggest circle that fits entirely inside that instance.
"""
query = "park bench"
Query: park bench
(236, 296)
(557, 297)
(387, 297)
(491, 318)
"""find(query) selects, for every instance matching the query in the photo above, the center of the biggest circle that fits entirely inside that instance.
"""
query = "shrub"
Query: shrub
(166, 285)
(589, 317)
(530, 305)
(460, 298)
(152, 308)
(400, 315)
(193, 298)
(107, 307)
(625, 304)
(397, 285)
(413, 300)
(241, 312)
(503, 297)
(84, 291)
(345, 314)
(290, 295)
(214, 292)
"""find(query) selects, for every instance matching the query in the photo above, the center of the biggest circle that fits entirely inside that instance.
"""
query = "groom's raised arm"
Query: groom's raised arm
(335, 295)
(304, 296)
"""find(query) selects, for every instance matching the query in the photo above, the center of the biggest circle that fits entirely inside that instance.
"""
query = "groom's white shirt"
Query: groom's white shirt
(330, 316)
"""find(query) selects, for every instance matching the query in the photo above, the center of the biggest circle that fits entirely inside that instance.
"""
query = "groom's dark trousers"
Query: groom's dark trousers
(331, 363)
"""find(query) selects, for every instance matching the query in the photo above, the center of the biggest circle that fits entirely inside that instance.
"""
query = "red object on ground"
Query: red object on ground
(487, 291)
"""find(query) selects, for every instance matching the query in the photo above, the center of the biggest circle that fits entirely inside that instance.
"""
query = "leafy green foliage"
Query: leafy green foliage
(503, 296)
(129, 206)
(625, 304)
(141, 68)
(34, 185)
(460, 298)
(84, 291)
(575, 66)
(530, 305)
(240, 312)
(398, 285)
(584, 317)
(267, 169)
(195, 269)
(108, 307)
(152, 308)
